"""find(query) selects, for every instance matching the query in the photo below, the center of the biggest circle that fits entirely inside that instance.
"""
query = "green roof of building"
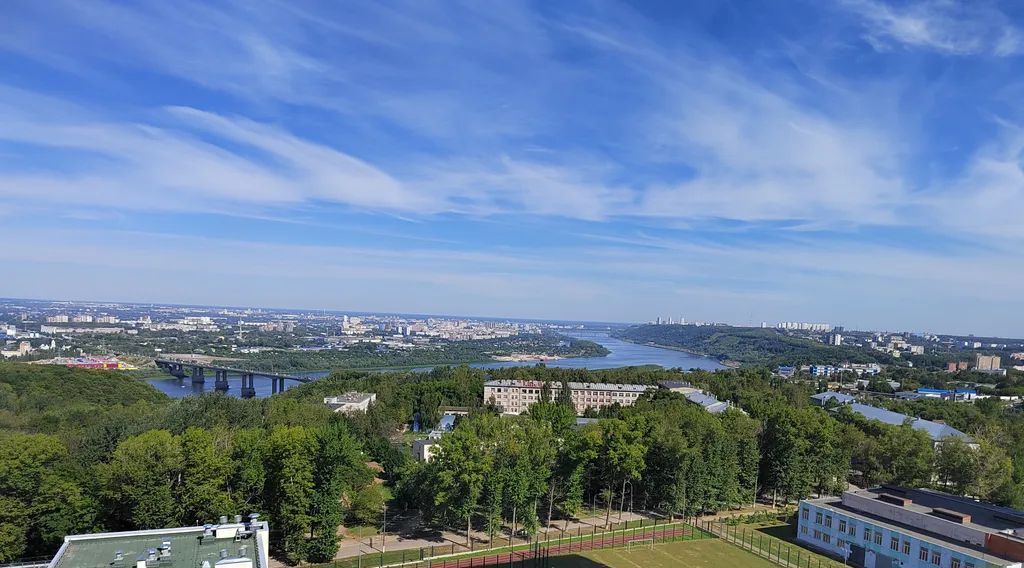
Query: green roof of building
(188, 549)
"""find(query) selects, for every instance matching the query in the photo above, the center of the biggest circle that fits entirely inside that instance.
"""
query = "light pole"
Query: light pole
(384, 531)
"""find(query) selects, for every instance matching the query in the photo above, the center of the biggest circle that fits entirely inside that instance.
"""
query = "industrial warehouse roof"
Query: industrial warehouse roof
(838, 396)
(935, 430)
(187, 550)
(708, 401)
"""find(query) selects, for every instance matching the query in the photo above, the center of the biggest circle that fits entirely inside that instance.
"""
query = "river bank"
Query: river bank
(620, 354)
(728, 364)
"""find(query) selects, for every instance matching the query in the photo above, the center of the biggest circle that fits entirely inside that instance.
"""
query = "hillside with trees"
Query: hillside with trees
(749, 345)
(72, 463)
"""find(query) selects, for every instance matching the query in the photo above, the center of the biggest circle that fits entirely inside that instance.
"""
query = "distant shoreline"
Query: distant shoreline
(729, 364)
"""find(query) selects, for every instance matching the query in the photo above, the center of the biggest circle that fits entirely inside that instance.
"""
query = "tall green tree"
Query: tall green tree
(956, 465)
(39, 500)
(622, 456)
(248, 468)
(141, 480)
(994, 478)
(290, 451)
(460, 469)
(203, 494)
(339, 469)
(907, 456)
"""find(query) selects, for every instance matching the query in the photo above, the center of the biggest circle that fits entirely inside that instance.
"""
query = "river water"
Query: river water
(622, 354)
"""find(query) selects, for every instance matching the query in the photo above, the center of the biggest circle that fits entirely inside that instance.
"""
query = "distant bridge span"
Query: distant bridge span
(196, 369)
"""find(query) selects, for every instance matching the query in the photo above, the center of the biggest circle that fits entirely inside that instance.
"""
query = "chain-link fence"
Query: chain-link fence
(768, 547)
(531, 554)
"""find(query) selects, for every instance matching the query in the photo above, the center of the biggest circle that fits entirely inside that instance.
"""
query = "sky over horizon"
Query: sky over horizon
(858, 162)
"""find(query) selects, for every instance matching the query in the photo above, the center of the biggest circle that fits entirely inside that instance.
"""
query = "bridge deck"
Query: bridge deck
(234, 370)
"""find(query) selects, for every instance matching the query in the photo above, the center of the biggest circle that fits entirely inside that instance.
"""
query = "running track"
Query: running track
(584, 544)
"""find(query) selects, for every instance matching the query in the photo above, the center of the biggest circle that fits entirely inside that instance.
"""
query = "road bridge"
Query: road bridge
(184, 368)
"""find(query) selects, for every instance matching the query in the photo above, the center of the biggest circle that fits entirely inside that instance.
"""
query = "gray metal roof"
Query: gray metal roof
(838, 396)
(935, 430)
(708, 401)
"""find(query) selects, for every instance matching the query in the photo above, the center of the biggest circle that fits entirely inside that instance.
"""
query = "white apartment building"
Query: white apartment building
(514, 397)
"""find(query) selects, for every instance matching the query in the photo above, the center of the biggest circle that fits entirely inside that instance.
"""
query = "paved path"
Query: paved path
(444, 539)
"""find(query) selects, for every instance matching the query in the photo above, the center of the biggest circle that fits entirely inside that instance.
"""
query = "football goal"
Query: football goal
(647, 543)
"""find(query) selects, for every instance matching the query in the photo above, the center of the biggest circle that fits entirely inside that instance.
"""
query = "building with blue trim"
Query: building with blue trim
(896, 527)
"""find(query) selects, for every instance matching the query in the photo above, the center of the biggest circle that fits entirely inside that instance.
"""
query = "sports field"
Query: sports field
(710, 553)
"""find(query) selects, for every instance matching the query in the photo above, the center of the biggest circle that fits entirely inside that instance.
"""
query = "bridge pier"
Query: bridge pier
(248, 386)
(222, 381)
(198, 375)
(177, 370)
(276, 384)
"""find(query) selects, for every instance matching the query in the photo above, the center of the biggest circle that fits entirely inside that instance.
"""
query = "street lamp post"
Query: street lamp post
(384, 531)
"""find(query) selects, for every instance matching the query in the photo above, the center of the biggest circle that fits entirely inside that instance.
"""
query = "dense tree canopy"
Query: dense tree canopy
(110, 453)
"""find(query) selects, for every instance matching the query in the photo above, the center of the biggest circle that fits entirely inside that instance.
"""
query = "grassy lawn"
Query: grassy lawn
(361, 531)
(711, 553)
(413, 555)
(779, 540)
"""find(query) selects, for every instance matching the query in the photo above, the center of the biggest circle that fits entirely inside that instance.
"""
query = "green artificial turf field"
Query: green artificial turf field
(710, 553)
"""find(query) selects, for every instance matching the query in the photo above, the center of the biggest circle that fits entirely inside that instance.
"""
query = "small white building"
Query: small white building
(424, 450)
(351, 402)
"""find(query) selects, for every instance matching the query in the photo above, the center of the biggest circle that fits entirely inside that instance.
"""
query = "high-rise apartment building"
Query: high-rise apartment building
(987, 362)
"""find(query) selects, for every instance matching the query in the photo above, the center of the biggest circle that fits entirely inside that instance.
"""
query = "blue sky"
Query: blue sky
(851, 161)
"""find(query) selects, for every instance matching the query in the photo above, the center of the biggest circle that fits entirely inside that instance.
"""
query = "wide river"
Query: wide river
(622, 354)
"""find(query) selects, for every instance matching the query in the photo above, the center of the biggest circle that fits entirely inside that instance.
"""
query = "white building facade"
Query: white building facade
(515, 397)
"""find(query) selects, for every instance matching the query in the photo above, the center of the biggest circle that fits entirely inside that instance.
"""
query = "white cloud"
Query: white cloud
(944, 26)
(199, 160)
(986, 198)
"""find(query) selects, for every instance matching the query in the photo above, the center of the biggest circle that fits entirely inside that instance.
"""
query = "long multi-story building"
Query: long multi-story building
(514, 397)
(896, 527)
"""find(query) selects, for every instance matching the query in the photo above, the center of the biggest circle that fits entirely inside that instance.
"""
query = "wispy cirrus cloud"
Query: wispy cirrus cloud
(944, 26)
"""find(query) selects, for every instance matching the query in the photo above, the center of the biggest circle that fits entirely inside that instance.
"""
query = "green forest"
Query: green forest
(84, 451)
(749, 346)
(374, 355)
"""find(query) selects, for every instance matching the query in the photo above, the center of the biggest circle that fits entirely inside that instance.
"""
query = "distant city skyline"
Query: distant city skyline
(848, 161)
(74, 306)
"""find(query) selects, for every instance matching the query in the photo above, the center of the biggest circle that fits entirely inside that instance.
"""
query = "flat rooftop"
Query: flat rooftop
(985, 517)
(925, 514)
(349, 397)
(188, 549)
